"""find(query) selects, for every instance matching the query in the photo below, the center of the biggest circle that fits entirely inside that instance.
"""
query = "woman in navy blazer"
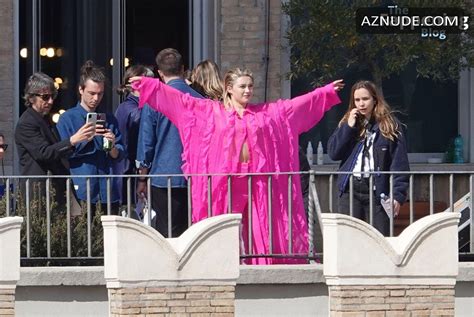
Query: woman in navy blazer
(370, 139)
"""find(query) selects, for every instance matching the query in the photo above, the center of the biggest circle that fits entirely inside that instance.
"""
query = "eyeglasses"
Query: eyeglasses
(46, 97)
(4, 146)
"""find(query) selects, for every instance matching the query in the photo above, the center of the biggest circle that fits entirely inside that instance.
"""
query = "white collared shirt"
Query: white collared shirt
(369, 159)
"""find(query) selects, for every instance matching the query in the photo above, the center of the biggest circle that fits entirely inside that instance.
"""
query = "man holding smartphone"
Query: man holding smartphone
(93, 158)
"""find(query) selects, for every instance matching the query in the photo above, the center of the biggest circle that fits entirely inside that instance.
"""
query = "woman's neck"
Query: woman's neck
(238, 107)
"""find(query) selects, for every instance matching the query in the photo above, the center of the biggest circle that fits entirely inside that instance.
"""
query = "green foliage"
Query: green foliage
(38, 225)
(326, 43)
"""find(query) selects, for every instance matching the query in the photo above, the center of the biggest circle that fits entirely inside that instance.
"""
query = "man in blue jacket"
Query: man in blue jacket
(159, 152)
(92, 158)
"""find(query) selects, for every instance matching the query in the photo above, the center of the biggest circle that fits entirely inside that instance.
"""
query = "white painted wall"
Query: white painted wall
(58, 301)
(293, 290)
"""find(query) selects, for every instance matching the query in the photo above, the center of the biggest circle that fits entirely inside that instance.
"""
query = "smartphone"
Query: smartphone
(101, 119)
(361, 119)
(91, 118)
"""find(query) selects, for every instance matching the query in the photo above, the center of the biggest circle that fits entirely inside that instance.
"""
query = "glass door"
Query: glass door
(58, 36)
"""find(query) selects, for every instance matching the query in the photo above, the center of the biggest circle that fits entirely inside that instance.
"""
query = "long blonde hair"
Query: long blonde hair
(381, 113)
(205, 78)
(230, 78)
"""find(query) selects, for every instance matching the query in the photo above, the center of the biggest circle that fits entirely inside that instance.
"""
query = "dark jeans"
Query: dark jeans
(361, 206)
(179, 210)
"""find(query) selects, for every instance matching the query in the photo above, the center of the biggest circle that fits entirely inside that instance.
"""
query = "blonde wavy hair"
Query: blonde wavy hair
(382, 114)
(229, 80)
(206, 79)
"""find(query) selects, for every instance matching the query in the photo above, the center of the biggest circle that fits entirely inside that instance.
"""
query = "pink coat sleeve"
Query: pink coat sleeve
(165, 99)
(305, 111)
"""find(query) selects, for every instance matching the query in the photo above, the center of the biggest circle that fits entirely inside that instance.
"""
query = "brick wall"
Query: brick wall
(7, 302)
(242, 42)
(391, 301)
(6, 78)
(207, 300)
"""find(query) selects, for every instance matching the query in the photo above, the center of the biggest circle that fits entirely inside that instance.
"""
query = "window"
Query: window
(64, 34)
(58, 36)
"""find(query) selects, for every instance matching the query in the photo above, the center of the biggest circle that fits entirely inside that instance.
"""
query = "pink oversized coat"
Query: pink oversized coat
(212, 137)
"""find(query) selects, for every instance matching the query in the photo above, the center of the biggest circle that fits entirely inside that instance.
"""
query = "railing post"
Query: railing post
(48, 218)
(68, 215)
(89, 217)
(250, 220)
(190, 201)
(471, 218)
(170, 220)
(270, 215)
(311, 211)
(290, 214)
(129, 197)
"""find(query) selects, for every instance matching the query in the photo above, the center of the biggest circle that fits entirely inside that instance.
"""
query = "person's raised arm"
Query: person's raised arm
(308, 109)
(165, 99)
(79, 139)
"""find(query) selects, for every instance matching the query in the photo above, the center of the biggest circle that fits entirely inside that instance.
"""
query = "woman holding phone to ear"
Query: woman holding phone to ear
(369, 139)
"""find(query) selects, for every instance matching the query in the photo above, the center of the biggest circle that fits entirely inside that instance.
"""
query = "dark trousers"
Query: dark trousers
(361, 206)
(179, 210)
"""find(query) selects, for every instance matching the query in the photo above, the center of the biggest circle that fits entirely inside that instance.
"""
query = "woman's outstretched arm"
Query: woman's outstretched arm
(165, 99)
(308, 109)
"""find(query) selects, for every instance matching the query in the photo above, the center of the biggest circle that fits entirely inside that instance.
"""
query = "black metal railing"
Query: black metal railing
(58, 233)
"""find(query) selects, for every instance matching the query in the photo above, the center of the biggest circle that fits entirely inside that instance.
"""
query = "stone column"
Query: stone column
(246, 42)
(194, 274)
(9, 263)
(7, 78)
(413, 274)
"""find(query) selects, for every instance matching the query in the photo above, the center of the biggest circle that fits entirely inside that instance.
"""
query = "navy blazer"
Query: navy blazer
(344, 145)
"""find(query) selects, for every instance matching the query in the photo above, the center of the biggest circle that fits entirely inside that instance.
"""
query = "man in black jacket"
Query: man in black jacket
(39, 147)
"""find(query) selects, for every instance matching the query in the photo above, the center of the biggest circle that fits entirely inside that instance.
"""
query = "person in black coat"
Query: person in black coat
(370, 139)
(39, 147)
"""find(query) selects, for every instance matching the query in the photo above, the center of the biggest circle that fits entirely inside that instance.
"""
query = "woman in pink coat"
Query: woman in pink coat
(238, 137)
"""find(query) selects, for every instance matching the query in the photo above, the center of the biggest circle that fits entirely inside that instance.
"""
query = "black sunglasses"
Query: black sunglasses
(3, 146)
(46, 97)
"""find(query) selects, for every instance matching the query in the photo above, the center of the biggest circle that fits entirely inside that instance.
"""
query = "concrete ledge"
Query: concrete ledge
(466, 272)
(282, 274)
(62, 276)
(249, 274)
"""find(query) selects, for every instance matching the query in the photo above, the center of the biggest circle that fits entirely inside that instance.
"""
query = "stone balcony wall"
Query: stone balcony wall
(193, 275)
(9, 263)
(371, 275)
